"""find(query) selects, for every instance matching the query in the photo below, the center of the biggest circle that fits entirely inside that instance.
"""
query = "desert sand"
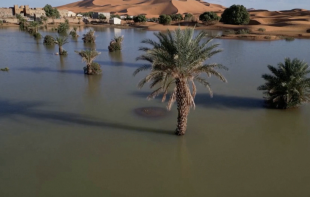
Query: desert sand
(277, 24)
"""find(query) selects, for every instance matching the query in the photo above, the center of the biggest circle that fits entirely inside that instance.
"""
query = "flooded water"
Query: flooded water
(65, 134)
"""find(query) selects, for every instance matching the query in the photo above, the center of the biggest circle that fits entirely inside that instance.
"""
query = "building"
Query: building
(71, 14)
(115, 21)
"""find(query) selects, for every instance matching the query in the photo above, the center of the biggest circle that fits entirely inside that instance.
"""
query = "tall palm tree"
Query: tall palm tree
(60, 41)
(89, 56)
(288, 85)
(177, 60)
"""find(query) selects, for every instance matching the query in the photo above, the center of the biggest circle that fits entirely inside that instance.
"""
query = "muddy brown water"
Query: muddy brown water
(65, 134)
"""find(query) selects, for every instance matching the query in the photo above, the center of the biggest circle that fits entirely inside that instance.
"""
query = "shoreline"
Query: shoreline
(254, 35)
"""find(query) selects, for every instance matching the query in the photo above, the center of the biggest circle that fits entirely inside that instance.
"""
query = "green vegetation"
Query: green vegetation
(188, 17)
(60, 41)
(73, 33)
(1, 22)
(176, 17)
(49, 40)
(229, 32)
(288, 85)
(243, 31)
(102, 17)
(236, 15)
(89, 37)
(289, 39)
(154, 19)
(115, 16)
(139, 19)
(89, 56)
(164, 19)
(175, 63)
(6, 69)
(63, 27)
(116, 44)
(37, 35)
(51, 12)
(261, 29)
(209, 17)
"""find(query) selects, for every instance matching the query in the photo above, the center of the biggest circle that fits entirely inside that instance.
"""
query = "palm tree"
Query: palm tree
(177, 60)
(60, 41)
(89, 56)
(34, 25)
(288, 85)
(116, 43)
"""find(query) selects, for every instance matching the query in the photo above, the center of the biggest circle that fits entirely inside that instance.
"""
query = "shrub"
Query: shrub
(229, 32)
(139, 19)
(62, 28)
(288, 85)
(115, 16)
(289, 38)
(37, 35)
(261, 29)
(116, 43)
(51, 12)
(89, 37)
(164, 19)
(102, 17)
(6, 69)
(153, 19)
(236, 15)
(176, 17)
(49, 40)
(95, 67)
(188, 17)
(1, 22)
(73, 33)
(209, 17)
(243, 31)
(64, 52)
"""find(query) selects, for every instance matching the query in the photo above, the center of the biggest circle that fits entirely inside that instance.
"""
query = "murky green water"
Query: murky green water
(65, 134)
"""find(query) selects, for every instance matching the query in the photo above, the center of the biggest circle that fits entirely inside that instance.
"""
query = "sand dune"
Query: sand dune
(149, 7)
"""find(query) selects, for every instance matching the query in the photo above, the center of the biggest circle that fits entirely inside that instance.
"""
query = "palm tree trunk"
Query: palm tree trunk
(183, 107)
(60, 50)
(89, 70)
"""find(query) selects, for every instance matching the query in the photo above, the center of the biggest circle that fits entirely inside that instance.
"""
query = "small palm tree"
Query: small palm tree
(89, 37)
(89, 56)
(116, 43)
(60, 41)
(288, 85)
(177, 60)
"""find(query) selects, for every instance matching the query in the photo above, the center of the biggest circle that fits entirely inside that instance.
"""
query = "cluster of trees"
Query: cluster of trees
(32, 27)
(51, 12)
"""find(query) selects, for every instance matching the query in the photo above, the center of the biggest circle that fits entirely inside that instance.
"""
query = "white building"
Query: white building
(115, 21)
(70, 14)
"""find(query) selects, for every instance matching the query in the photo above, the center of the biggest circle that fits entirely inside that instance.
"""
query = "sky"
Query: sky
(274, 5)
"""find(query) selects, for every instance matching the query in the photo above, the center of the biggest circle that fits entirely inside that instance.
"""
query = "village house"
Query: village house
(115, 21)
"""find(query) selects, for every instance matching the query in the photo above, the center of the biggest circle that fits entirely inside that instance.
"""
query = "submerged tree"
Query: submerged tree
(49, 40)
(116, 43)
(176, 61)
(60, 41)
(73, 33)
(288, 85)
(89, 37)
(89, 56)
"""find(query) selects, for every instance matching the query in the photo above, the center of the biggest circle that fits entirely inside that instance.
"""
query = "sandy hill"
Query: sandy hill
(148, 7)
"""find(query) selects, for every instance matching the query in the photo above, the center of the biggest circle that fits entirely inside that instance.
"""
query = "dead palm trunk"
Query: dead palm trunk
(183, 107)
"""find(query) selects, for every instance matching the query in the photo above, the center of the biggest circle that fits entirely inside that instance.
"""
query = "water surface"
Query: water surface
(65, 134)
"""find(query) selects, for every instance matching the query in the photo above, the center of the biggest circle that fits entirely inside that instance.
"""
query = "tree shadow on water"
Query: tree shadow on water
(219, 101)
(16, 110)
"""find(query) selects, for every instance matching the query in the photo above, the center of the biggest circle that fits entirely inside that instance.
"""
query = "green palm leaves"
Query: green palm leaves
(89, 56)
(176, 62)
(288, 85)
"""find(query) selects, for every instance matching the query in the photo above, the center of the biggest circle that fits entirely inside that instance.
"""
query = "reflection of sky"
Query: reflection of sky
(257, 4)
(266, 4)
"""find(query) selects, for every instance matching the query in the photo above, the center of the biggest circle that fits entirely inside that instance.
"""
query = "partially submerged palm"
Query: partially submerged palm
(288, 85)
(177, 61)
(88, 56)
(60, 41)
